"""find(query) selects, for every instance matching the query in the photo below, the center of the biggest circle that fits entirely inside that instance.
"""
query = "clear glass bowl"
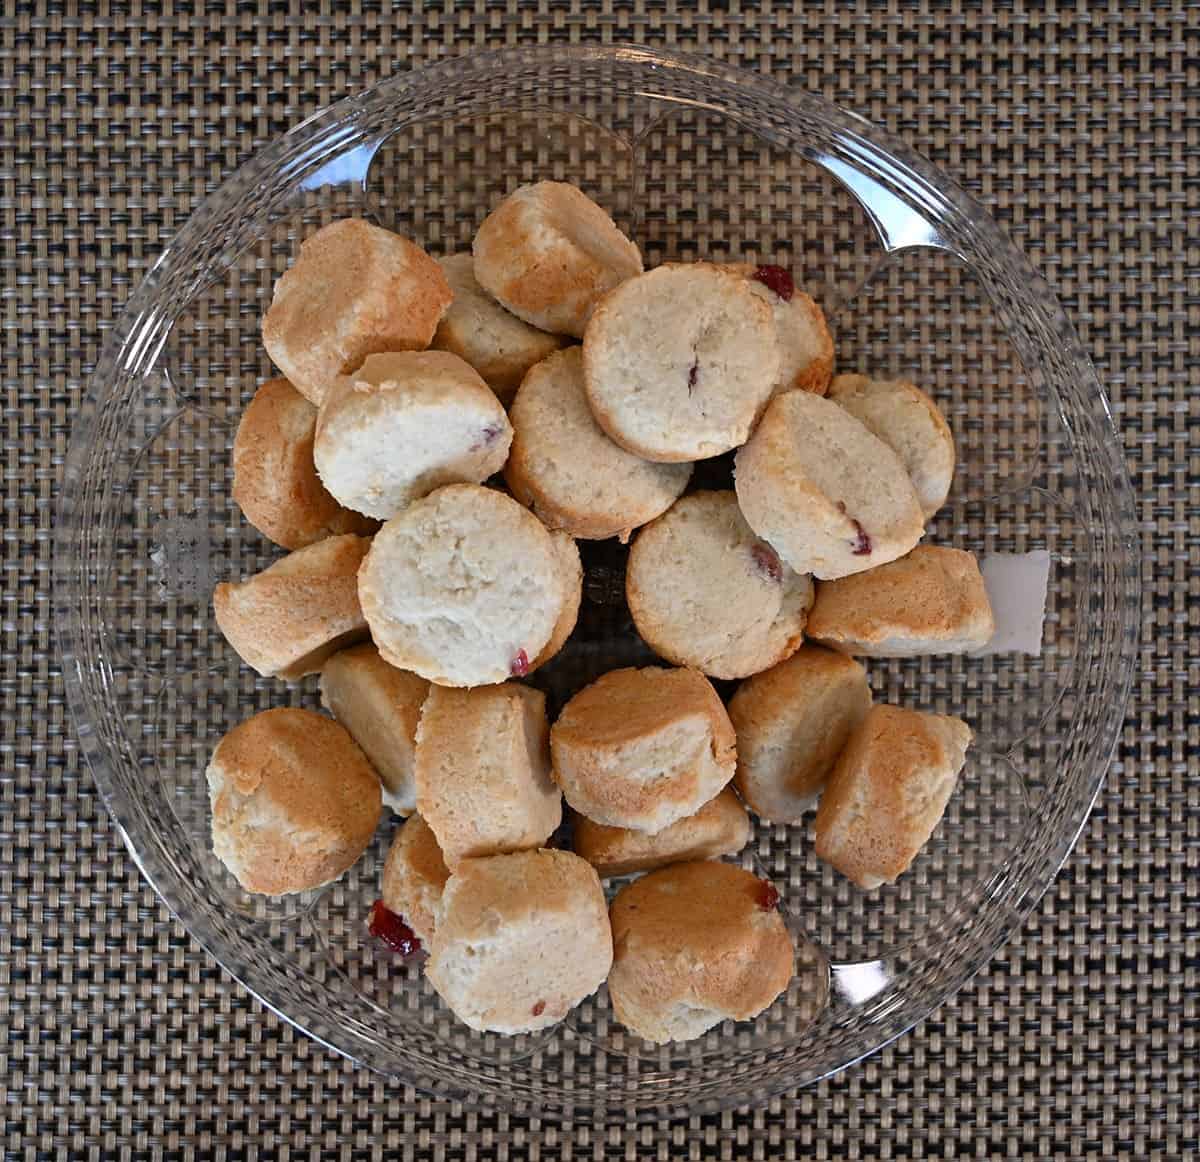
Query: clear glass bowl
(695, 160)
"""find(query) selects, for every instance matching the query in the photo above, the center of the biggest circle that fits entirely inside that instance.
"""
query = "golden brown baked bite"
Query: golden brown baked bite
(888, 791)
(696, 944)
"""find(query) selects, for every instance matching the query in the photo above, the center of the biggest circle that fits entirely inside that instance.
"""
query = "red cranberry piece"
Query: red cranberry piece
(767, 895)
(767, 562)
(520, 665)
(777, 279)
(862, 541)
(489, 435)
(538, 1009)
(386, 925)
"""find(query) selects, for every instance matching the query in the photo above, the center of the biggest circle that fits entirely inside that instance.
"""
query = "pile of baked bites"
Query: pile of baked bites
(410, 382)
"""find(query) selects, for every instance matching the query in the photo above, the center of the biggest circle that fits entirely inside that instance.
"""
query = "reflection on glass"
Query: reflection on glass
(857, 983)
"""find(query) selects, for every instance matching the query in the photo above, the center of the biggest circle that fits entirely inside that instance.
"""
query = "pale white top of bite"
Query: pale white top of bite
(464, 587)
(705, 591)
(404, 424)
(825, 492)
(679, 362)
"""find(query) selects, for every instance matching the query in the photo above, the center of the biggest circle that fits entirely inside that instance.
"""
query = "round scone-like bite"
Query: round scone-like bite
(464, 587)
(353, 290)
(404, 424)
(826, 493)
(380, 706)
(805, 344)
(414, 875)
(792, 723)
(564, 467)
(720, 827)
(275, 482)
(909, 422)
(680, 362)
(548, 253)
(294, 801)
(483, 770)
(520, 940)
(888, 791)
(705, 592)
(932, 601)
(643, 748)
(696, 944)
(494, 341)
(285, 621)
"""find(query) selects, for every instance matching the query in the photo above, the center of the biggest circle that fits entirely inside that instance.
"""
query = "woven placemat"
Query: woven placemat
(1081, 131)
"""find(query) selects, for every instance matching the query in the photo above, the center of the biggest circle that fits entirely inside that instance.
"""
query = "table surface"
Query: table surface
(1079, 127)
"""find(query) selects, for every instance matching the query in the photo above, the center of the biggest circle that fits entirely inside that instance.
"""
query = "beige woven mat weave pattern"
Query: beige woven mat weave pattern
(1079, 126)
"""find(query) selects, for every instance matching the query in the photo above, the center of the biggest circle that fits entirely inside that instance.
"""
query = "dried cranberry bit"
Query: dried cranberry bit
(520, 665)
(693, 375)
(767, 561)
(489, 435)
(777, 279)
(862, 541)
(767, 895)
(390, 928)
(538, 1009)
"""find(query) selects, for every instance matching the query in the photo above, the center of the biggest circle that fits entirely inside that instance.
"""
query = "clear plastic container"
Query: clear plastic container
(695, 160)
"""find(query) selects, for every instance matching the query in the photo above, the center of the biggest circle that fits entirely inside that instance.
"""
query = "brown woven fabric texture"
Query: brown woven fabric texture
(1079, 126)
